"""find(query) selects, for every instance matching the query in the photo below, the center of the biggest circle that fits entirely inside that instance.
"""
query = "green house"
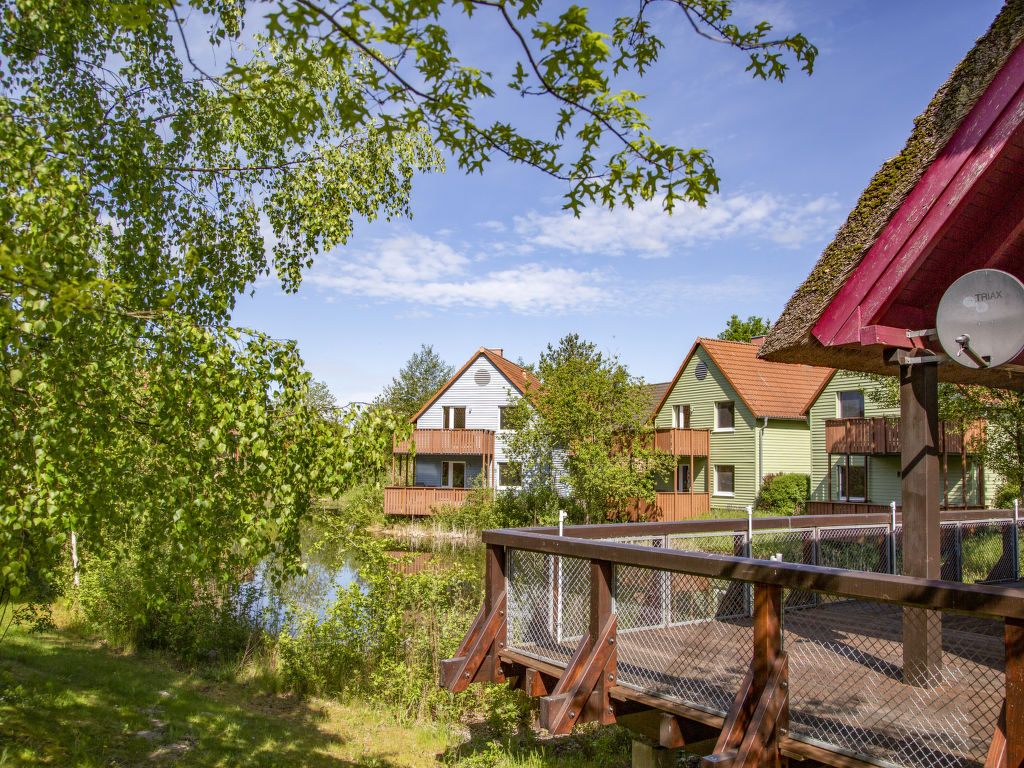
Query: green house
(855, 450)
(756, 412)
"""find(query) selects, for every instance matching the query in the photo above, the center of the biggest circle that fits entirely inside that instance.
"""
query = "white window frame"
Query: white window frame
(841, 467)
(839, 403)
(448, 416)
(720, 492)
(679, 413)
(718, 410)
(508, 464)
(446, 482)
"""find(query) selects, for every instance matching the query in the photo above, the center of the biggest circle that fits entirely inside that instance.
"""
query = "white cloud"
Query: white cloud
(494, 226)
(427, 272)
(647, 231)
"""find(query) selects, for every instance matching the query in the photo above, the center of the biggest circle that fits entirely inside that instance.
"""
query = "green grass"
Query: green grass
(69, 701)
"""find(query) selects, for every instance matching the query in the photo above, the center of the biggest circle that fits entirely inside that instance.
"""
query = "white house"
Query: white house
(459, 438)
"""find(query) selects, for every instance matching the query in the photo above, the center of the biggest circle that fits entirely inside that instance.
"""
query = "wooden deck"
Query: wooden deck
(683, 442)
(669, 507)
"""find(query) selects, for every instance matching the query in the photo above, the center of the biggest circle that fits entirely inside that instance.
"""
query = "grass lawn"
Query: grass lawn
(66, 701)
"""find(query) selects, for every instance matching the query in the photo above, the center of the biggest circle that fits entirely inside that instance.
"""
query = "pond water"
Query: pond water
(333, 567)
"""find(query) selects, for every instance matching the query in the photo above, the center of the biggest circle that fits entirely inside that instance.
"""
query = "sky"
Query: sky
(493, 260)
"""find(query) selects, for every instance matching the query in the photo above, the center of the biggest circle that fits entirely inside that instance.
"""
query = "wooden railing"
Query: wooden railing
(669, 507)
(412, 500)
(683, 442)
(881, 436)
(863, 508)
(670, 630)
(462, 442)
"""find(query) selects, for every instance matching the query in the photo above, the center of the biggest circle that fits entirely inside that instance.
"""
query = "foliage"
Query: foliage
(1006, 495)
(592, 418)
(1000, 446)
(359, 508)
(382, 639)
(597, 140)
(422, 375)
(785, 493)
(140, 197)
(529, 506)
(475, 513)
(131, 599)
(745, 330)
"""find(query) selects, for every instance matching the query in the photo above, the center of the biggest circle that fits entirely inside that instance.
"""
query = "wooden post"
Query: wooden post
(1014, 693)
(919, 427)
(846, 480)
(767, 633)
(494, 590)
(599, 705)
(829, 460)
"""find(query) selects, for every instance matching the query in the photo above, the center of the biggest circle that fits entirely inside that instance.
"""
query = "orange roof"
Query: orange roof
(520, 377)
(782, 390)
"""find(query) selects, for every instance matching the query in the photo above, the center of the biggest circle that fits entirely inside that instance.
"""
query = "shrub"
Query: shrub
(1006, 495)
(476, 513)
(383, 639)
(785, 493)
(361, 507)
(515, 508)
(149, 602)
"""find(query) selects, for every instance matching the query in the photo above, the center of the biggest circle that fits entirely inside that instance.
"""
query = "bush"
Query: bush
(361, 507)
(146, 602)
(785, 493)
(383, 639)
(1006, 495)
(476, 513)
(515, 508)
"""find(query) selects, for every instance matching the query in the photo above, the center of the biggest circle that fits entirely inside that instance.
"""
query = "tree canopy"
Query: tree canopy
(745, 330)
(422, 375)
(587, 427)
(159, 158)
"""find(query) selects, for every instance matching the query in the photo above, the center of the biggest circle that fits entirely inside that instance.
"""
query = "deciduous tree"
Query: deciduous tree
(745, 330)
(422, 375)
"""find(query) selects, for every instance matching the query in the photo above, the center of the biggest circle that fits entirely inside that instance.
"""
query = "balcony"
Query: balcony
(417, 501)
(682, 442)
(670, 507)
(458, 442)
(880, 436)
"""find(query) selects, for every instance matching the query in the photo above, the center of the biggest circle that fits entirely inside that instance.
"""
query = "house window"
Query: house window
(453, 474)
(681, 416)
(683, 478)
(724, 480)
(854, 487)
(509, 473)
(851, 404)
(725, 416)
(504, 417)
(454, 417)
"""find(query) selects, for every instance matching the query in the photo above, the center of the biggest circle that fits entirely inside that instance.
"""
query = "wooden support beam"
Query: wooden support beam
(1014, 707)
(919, 433)
(582, 693)
(478, 657)
(996, 757)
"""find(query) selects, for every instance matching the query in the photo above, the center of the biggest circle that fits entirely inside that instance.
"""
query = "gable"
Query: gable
(480, 387)
(701, 394)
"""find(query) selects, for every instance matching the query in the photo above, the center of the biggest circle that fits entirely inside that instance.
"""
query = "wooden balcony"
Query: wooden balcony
(671, 507)
(683, 442)
(417, 501)
(460, 442)
(880, 436)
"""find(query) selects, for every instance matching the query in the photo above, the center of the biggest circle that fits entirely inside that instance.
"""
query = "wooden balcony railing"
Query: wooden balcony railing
(464, 442)
(880, 436)
(413, 500)
(683, 442)
(670, 507)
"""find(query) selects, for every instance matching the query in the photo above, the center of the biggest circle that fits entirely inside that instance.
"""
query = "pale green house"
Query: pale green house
(756, 412)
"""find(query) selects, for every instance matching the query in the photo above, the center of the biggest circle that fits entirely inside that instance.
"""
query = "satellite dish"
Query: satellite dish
(980, 320)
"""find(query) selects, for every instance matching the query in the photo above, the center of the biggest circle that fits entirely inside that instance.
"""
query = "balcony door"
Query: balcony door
(453, 474)
(853, 487)
(454, 417)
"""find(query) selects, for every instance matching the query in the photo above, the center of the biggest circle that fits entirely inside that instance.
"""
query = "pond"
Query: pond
(332, 567)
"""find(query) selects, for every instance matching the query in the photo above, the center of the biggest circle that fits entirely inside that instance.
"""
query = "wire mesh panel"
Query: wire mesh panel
(987, 551)
(682, 637)
(729, 543)
(857, 548)
(856, 686)
(795, 546)
(572, 615)
(530, 607)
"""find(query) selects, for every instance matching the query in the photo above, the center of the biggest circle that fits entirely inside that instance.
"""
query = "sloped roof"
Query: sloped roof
(780, 390)
(657, 393)
(520, 377)
(889, 201)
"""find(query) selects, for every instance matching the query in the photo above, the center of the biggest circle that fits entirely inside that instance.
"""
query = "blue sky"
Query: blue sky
(493, 261)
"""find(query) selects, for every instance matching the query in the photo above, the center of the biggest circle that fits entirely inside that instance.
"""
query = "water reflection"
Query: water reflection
(333, 566)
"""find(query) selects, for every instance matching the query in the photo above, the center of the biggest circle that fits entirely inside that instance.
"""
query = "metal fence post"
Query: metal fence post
(959, 550)
(1016, 539)
(892, 539)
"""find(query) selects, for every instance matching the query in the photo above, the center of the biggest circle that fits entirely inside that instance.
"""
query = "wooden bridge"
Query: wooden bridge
(689, 633)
